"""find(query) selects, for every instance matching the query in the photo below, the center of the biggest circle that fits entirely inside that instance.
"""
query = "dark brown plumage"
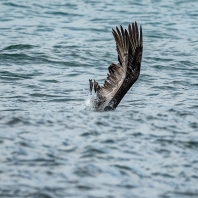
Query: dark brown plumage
(122, 76)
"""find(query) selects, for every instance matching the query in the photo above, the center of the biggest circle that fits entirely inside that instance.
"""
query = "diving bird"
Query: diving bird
(123, 75)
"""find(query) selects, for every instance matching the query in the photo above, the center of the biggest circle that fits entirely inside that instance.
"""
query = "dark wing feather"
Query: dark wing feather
(135, 48)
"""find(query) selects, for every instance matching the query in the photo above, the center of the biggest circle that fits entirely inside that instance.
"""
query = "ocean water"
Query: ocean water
(52, 146)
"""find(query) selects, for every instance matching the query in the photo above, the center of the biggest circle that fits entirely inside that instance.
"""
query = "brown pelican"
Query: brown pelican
(123, 75)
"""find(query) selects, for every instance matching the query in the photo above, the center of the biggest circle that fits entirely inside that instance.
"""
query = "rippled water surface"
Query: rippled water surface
(51, 146)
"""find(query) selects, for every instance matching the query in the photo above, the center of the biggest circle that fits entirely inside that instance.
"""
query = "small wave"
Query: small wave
(18, 47)
(14, 5)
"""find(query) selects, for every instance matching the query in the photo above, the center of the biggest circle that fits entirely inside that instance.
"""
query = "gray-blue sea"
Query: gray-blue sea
(52, 146)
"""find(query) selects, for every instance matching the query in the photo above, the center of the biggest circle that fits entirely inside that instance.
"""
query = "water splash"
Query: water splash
(90, 102)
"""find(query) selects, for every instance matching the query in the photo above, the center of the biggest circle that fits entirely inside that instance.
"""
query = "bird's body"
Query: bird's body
(123, 75)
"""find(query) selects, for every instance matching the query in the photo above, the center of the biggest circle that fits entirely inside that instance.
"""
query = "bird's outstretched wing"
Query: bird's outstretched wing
(129, 45)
